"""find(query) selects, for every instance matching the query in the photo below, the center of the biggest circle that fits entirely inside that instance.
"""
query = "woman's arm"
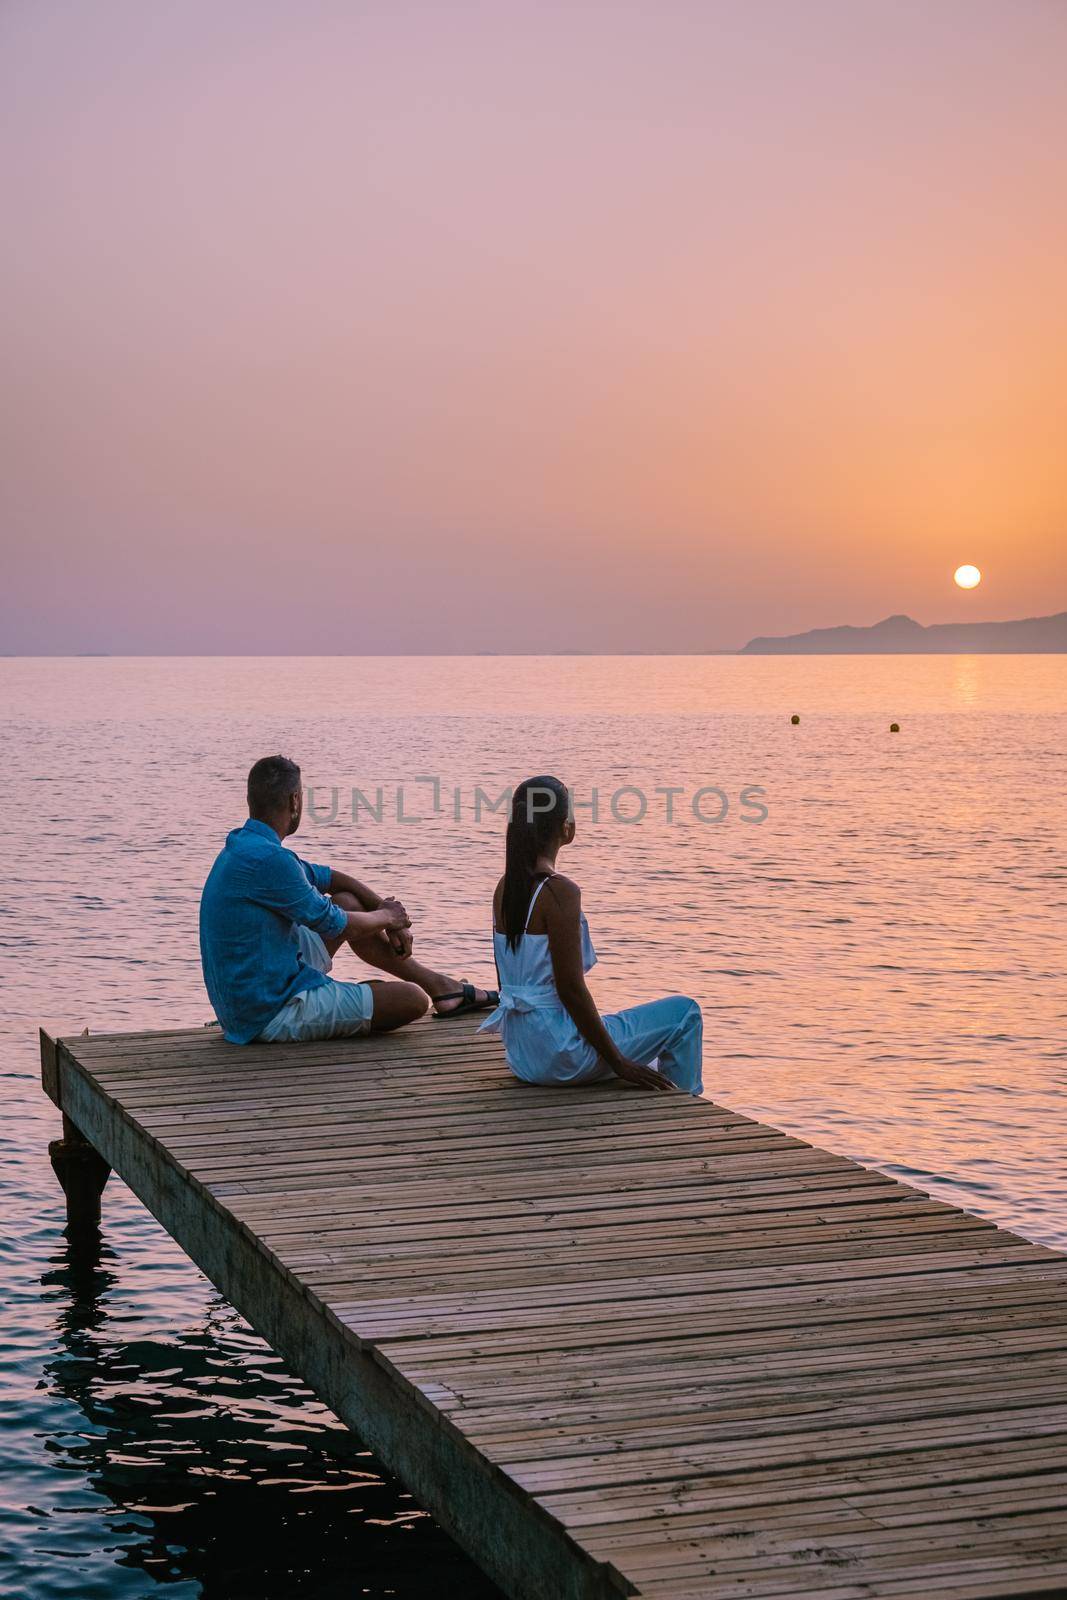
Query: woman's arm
(562, 903)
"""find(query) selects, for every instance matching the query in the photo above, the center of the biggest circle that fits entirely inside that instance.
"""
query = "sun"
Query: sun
(967, 577)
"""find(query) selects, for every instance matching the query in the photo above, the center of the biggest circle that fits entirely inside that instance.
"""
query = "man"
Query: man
(270, 925)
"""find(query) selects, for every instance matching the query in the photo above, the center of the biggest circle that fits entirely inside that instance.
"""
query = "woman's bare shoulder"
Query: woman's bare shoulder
(564, 891)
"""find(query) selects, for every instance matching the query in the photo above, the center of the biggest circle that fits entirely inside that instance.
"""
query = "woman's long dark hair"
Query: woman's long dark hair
(539, 808)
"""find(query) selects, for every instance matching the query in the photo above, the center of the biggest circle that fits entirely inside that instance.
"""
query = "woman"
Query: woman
(552, 1030)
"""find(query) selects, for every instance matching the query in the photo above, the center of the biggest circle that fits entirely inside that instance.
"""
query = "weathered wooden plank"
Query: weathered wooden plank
(568, 1411)
(757, 1488)
(766, 1552)
(616, 1178)
(625, 1298)
(829, 1261)
(409, 1326)
(930, 1503)
(906, 1578)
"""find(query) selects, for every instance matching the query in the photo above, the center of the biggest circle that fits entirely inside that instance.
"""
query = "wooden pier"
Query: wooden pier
(616, 1343)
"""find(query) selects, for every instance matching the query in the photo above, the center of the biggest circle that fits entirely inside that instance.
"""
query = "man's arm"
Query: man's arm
(397, 936)
(343, 882)
(395, 931)
(284, 886)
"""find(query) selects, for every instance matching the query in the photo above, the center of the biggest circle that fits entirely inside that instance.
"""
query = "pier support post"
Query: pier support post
(82, 1173)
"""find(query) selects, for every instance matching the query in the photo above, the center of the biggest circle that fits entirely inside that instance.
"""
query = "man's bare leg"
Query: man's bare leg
(395, 1005)
(376, 951)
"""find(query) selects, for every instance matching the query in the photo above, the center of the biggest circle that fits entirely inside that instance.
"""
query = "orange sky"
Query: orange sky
(448, 326)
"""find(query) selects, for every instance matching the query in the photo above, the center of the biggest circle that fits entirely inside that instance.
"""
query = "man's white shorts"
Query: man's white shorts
(329, 1011)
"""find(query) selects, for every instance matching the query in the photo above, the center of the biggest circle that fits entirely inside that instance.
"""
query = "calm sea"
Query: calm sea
(881, 962)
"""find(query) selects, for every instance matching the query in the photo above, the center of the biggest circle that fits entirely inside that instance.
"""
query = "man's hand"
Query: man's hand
(642, 1077)
(393, 914)
(399, 940)
(395, 925)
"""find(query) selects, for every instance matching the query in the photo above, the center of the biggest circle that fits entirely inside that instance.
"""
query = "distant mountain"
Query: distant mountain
(904, 637)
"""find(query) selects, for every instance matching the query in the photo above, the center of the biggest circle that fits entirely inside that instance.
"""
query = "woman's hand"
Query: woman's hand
(641, 1077)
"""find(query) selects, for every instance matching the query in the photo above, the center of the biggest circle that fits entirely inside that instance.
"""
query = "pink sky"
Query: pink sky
(342, 327)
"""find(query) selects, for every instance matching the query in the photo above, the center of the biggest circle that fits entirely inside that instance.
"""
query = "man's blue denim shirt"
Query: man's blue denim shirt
(255, 893)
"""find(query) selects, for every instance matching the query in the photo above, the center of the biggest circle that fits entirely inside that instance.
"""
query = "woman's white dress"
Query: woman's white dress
(541, 1041)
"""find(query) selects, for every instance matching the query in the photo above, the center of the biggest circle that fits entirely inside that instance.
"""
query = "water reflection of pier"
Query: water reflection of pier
(226, 1478)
